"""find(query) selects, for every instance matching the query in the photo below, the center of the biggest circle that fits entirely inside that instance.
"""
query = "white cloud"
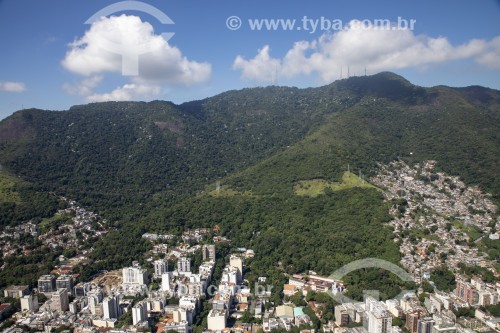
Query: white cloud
(12, 86)
(261, 68)
(377, 49)
(84, 87)
(491, 56)
(128, 92)
(126, 45)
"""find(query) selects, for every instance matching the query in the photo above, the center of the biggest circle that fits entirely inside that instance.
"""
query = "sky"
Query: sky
(58, 53)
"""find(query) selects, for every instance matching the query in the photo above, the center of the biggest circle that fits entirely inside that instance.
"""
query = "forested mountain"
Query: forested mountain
(153, 166)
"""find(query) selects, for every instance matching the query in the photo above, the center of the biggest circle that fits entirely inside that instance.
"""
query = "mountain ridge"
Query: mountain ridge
(147, 166)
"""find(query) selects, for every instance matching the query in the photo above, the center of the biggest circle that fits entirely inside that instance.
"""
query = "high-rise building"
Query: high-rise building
(29, 303)
(161, 267)
(425, 325)
(110, 307)
(379, 318)
(82, 289)
(216, 320)
(184, 265)
(139, 313)
(412, 317)
(134, 275)
(65, 282)
(46, 283)
(16, 291)
(466, 292)
(165, 282)
(208, 251)
(60, 300)
(345, 314)
(236, 262)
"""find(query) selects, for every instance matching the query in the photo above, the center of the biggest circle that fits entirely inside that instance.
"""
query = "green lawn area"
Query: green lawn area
(54, 222)
(226, 191)
(7, 192)
(472, 231)
(315, 187)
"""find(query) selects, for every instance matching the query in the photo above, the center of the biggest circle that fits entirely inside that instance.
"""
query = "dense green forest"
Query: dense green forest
(153, 166)
(21, 201)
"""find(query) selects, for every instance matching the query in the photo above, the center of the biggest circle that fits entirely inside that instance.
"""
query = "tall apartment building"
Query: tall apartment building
(29, 303)
(134, 275)
(184, 265)
(46, 283)
(139, 313)
(237, 262)
(379, 318)
(466, 292)
(160, 266)
(345, 314)
(425, 325)
(59, 301)
(16, 291)
(110, 307)
(412, 317)
(65, 282)
(208, 252)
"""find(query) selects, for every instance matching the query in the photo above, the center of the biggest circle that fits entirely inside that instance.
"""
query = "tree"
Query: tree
(427, 287)
(443, 279)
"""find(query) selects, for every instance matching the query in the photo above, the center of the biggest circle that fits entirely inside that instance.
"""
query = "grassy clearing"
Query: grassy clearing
(472, 231)
(315, 187)
(7, 192)
(226, 191)
(55, 221)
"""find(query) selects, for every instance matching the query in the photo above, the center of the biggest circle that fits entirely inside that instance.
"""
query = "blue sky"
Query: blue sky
(51, 59)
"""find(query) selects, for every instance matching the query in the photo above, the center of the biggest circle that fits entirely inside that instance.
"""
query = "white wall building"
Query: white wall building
(139, 313)
(29, 303)
(184, 265)
(161, 267)
(134, 275)
(217, 320)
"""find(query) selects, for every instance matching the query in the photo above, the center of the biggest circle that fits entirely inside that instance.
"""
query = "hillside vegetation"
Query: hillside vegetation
(280, 154)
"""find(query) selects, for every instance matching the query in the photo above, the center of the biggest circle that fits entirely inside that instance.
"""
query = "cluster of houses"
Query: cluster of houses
(445, 207)
(82, 227)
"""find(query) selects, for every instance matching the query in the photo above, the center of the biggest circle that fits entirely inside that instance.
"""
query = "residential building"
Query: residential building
(134, 275)
(16, 291)
(161, 266)
(165, 282)
(46, 283)
(466, 292)
(81, 289)
(29, 303)
(345, 314)
(110, 307)
(379, 318)
(59, 301)
(217, 320)
(284, 311)
(184, 265)
(425, 325)
(139, 313)
(237, 262)
(65, 282)
(208, 252)
(412, 317)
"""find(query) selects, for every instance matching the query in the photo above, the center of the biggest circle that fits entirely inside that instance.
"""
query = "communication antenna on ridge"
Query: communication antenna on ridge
(341, 72)
(361, 176)
(348, 74)
(274, 80)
